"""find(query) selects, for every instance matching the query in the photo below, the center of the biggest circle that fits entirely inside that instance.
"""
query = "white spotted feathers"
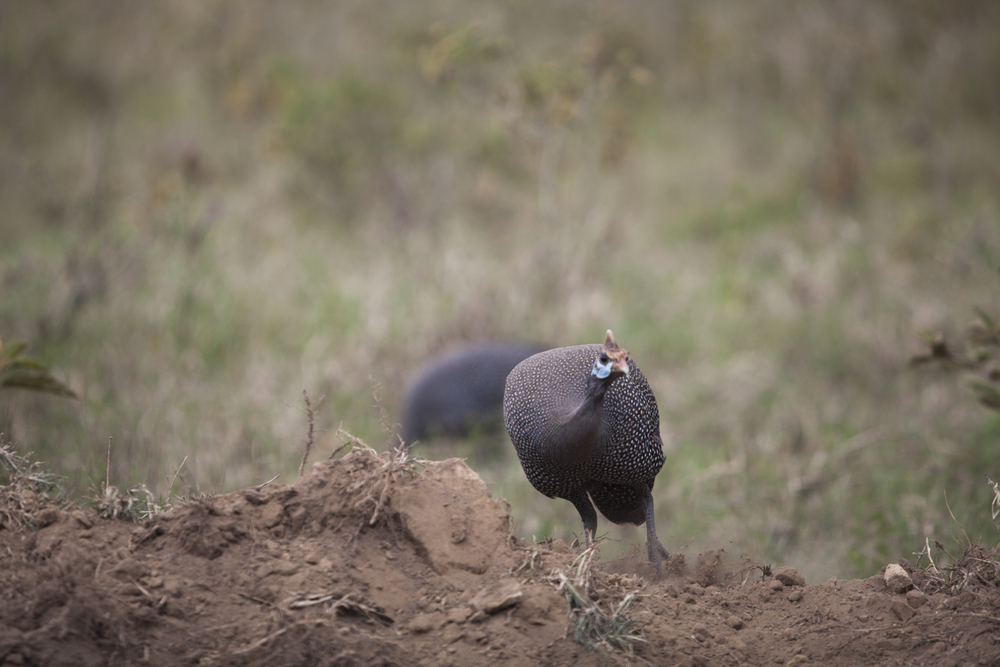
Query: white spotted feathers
(586, 428)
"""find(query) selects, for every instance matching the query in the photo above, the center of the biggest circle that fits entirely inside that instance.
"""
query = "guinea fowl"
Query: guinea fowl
(461, 391)
(586, 428)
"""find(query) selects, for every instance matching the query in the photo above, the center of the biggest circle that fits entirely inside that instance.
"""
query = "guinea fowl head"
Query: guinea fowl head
(611, 362)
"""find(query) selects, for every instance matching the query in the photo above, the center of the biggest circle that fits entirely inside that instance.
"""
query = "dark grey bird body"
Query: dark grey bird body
(460, 391)
(586, 438)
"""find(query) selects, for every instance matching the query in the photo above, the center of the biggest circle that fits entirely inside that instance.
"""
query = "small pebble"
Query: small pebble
(896, 578)
(789, 576)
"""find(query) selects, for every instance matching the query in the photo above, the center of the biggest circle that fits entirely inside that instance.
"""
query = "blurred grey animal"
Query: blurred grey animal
(461, 391)
(586, 428)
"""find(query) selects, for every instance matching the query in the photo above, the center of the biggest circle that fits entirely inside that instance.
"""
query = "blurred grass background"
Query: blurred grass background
(206, 207)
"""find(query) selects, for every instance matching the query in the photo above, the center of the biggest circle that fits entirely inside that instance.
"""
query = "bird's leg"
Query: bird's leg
(654, 549)
(587, 512)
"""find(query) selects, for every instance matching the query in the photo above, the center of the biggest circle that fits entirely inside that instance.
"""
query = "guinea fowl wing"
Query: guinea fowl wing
(540, 394)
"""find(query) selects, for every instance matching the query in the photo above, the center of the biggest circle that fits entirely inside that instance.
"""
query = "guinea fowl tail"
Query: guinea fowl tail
(618, 502)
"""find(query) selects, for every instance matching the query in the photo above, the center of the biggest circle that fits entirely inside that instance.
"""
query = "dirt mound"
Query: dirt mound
(374, 560)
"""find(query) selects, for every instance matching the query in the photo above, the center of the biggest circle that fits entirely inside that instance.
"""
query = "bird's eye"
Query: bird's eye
(604, 358)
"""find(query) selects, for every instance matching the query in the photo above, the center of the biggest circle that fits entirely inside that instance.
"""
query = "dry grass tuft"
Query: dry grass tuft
(611, 633)
(29, 490)
(372, 489)
(135, 504)
(976, 569)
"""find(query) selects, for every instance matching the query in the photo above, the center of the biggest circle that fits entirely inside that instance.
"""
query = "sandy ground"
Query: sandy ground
(372, 561)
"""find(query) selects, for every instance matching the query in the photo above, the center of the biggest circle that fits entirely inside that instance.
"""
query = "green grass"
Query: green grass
(193, 233)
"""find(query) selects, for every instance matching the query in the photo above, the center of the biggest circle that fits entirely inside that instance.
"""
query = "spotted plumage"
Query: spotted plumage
(586, 428)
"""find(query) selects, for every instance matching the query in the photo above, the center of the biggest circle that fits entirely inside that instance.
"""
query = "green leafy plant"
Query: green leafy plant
(984, 343)
(980, 356)
(18, 371)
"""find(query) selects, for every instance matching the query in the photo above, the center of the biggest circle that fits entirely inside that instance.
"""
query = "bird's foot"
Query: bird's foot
(657, 553)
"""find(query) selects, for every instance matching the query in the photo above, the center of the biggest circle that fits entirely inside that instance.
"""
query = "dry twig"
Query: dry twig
(383, 420)
(351, 441)
(311, 417)
(340, 604)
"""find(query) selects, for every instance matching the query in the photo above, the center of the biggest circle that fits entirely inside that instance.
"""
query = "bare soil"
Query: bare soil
(367, 560)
